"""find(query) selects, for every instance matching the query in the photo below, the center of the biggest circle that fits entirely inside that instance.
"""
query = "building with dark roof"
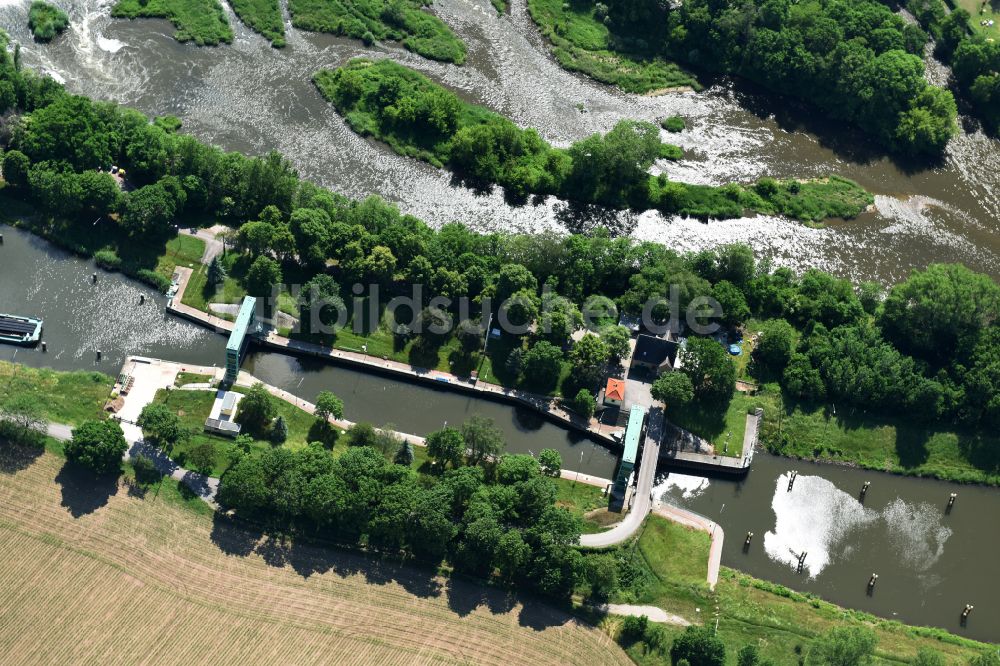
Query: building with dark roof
(656, 355)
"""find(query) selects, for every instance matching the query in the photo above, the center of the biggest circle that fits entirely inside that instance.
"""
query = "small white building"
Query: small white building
(614, 392)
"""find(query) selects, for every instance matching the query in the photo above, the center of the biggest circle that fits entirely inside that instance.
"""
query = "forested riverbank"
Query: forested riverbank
(421, 119)
(856, 62)
(857, 345)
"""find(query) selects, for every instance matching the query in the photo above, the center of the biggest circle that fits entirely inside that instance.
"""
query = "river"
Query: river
(930, 564)
(252, 98)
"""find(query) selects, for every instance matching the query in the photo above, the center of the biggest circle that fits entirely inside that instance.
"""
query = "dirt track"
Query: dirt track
(100, 576)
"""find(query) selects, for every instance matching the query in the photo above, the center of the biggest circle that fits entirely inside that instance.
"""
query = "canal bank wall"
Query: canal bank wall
(543, 405)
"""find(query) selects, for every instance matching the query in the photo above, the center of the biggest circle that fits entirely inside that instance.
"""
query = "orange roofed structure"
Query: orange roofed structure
(614, 393)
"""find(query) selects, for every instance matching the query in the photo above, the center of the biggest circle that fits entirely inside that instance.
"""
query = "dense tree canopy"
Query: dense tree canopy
(903, 354)
(421, 119)
(161, 425)
(98, 446)
(857, 60)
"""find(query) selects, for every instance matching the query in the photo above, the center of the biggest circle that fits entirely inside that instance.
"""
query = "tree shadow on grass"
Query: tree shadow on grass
(84, 493)
(465, 596)
(982, 452)
(233, 537)
(911, 446)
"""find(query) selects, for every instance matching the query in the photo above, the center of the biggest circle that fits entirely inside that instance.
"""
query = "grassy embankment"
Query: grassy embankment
(193, 408)
(148, 260)
(264, 17)
(404, 21)
(582, 43)
(666, 567)
(112, 562)
(724, 429)
(979, 11)
(877, 442)
(46, 21)
(202, 21)
(61, 397)
(533, 166)
(845, 435)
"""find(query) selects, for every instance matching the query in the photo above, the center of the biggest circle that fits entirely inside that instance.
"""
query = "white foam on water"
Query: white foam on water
(818, 518)
(683, 485)
(916, 533)
(812, 518)
(110, 45)
(56, 76)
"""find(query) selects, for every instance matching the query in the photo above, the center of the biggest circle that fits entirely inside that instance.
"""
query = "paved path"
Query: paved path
(213, 246)
(698, 522)
(543, 404)
(59, 431)
(585, 479)
(654, 613)
(642, 497)
(643, 503)
(204, 486)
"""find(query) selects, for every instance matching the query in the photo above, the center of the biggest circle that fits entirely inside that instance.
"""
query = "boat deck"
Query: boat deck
(20, 330)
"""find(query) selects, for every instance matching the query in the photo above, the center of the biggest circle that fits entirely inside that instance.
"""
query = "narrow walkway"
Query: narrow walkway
(698, 522)
(213, 246)
(643, 502)
(202, 485)
(654, 613)
(543, 404)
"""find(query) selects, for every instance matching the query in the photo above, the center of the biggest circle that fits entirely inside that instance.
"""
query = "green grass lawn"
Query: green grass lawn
(264, 17)
(580, 499)
(149, 260)
(672, 561)
(193, 407)
(63, 397)
(494, 368)
(983, 10)
(182, 250)
(199, 294)
(582, 43)
(202, 21)
(878, 442)
(192, 378)
(724, 429)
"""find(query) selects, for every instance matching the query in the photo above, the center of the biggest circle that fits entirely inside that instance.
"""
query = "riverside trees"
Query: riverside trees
(338, 240)
(421, 119)
(97, 446)
(856, 61)
(508, 526)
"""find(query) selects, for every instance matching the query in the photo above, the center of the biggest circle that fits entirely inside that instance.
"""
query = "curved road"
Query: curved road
(642, 496)
(642, 503)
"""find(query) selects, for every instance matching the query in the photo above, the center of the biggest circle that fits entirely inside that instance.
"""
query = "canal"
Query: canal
(930, 563)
